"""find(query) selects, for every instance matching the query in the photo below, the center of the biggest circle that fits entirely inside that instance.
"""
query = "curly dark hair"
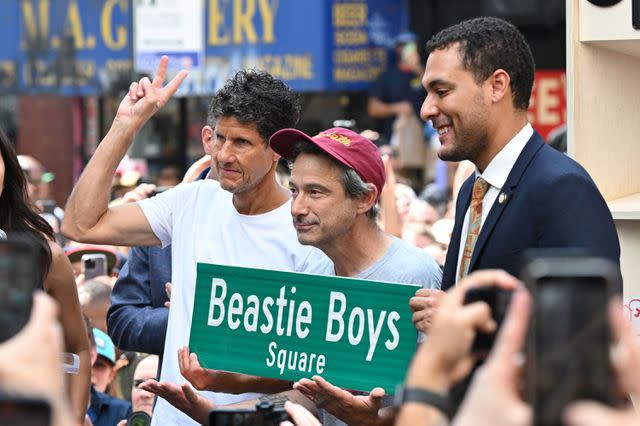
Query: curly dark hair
(487, 44)
(254, 96)
(17, 214)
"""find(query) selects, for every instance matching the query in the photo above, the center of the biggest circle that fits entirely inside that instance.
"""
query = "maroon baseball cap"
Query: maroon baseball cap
(346, 146)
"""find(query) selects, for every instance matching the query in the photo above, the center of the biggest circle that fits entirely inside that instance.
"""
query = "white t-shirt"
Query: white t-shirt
(202, 225)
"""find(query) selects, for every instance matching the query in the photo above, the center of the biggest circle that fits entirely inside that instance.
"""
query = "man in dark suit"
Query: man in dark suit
(523, 194)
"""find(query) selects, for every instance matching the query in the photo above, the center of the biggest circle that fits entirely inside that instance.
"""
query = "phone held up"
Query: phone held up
(18, 279)
(567, 348)
(18, 276)
(94, 265)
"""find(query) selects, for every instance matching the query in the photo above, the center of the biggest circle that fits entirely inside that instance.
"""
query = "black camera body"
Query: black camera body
(265, 413)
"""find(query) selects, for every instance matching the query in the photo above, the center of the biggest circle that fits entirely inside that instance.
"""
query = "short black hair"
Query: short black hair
(487, 44)
(254, 96)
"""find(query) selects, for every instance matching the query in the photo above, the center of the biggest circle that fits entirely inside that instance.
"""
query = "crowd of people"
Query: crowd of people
(343, 210)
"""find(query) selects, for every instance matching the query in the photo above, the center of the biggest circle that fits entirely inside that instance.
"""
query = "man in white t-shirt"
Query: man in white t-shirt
(337, 177)
(242, 219)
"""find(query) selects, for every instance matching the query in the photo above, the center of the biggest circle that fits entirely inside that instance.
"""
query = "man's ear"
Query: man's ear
(499, 85)
(207, 139)
(368, 199)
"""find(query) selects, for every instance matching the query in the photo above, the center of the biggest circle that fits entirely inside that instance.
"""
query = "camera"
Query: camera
(265, 413)
(138, 418)
(498, 300)
(567, 348)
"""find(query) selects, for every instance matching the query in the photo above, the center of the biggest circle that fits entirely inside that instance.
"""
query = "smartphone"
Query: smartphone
(498, 300)
(22, 411)
(94, 265)
(567, 348)
(18, 280)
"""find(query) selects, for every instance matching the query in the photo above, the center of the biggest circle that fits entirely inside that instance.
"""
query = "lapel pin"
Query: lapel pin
(502, 198)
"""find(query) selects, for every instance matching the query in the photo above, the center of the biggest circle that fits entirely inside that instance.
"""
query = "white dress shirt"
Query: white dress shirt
(496, 175)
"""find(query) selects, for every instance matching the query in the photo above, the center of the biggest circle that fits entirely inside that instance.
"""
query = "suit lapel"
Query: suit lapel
(451, 262)
(530, 149)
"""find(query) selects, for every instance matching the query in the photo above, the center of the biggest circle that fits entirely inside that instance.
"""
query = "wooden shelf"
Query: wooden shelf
(627, 208)
(610, 25)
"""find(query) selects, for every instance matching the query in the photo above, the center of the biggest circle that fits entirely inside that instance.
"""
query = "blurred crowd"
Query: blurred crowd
(110, 304)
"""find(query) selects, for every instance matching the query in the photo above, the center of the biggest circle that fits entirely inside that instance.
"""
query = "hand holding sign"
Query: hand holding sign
(351, 409)
(424, 306)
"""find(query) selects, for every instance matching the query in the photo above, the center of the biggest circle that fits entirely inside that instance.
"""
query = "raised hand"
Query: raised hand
(146, 97)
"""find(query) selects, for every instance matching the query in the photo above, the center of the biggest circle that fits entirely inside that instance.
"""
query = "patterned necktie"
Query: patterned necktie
(480, 188)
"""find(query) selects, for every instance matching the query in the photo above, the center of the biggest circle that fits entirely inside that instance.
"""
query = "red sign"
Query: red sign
(548, 105)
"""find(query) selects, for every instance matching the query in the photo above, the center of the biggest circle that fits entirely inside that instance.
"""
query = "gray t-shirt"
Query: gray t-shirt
(402, 263)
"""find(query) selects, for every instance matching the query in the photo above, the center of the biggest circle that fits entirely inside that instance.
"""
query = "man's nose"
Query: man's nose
(298, 206)
(224, 154)
(429, 109)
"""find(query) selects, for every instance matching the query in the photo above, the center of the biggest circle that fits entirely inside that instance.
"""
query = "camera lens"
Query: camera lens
(139, 418)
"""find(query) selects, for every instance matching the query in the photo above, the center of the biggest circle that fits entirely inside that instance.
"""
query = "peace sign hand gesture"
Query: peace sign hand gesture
(146, 97)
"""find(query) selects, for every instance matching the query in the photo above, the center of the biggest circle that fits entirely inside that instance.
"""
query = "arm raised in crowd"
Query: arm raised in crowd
(88, 217)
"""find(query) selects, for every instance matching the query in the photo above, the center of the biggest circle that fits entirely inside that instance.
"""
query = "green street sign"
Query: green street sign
(357, 334)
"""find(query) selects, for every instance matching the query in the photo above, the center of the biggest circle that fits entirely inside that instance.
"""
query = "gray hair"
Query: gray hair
(352, 183)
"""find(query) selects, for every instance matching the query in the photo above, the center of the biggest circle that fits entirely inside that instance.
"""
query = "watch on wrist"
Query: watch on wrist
(422, 396)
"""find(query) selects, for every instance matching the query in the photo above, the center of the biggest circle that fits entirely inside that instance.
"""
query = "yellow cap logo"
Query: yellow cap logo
(336, 137)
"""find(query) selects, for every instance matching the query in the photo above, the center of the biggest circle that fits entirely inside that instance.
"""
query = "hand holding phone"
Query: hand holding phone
(18, 276)
(567, 354)
(94, 265)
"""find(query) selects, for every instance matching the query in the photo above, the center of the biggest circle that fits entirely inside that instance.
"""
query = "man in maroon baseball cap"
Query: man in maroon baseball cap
(347, 147)
(336, 179)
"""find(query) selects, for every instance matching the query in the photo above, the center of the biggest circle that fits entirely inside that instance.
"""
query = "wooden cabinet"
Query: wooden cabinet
(603, 106)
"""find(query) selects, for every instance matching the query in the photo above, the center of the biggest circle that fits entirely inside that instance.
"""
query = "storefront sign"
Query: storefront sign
(548, 104)
(78, 47)
(356, 334)
(175, 29)
(64, 46)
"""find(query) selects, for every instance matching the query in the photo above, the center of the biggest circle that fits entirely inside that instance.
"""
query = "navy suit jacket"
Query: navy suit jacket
(551, 201)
